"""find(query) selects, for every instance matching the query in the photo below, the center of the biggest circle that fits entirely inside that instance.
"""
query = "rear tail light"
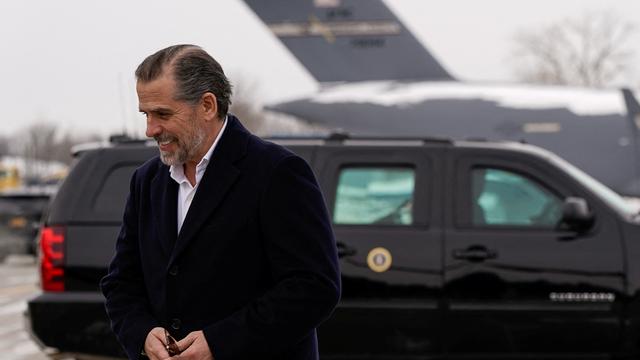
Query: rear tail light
(52, 258)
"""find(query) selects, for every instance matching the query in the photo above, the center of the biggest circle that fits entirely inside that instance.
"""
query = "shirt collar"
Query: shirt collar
(177, 171)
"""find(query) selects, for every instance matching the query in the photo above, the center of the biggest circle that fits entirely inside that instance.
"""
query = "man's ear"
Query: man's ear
(209, 106)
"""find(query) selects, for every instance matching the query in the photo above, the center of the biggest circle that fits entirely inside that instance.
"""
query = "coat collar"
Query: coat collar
(164, 199)
(220, 175)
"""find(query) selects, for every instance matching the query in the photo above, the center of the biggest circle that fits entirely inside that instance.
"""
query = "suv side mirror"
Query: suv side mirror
(576, 214)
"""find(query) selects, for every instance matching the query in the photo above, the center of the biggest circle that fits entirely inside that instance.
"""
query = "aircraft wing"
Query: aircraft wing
(595, 130)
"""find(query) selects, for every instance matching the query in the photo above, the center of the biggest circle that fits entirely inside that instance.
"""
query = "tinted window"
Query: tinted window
(374, 195)
(112, 195)
(501, 197)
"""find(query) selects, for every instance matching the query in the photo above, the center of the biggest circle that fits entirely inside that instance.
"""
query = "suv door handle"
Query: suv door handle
(344, 250)
(475, 253)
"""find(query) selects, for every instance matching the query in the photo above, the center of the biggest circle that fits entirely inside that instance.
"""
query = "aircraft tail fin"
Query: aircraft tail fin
(348, 40)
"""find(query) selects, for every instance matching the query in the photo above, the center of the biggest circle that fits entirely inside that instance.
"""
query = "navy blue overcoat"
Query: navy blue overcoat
(254, 266)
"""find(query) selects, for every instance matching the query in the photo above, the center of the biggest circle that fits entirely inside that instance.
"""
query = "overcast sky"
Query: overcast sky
(71, 61)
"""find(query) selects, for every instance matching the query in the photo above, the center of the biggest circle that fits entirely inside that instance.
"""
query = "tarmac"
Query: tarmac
(18, 283)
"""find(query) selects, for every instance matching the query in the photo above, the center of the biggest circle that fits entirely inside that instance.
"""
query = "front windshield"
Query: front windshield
(606, 194)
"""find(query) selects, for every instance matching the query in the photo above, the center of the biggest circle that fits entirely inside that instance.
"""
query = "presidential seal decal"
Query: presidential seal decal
(379, 259)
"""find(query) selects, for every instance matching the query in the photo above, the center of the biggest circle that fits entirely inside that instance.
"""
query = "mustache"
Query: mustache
(165, 137)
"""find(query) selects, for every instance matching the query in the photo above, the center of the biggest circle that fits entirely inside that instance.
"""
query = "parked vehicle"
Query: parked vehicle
(449, 249)
(20, 214)
(9, 177)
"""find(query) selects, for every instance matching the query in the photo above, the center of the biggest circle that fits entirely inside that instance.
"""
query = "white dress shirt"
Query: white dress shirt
(186, 192)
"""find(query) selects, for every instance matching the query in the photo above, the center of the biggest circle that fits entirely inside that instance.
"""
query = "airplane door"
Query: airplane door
(383, 204)
(516, 285)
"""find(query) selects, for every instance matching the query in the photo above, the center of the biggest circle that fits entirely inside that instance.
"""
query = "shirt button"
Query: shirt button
(174, 270)
(175, 324)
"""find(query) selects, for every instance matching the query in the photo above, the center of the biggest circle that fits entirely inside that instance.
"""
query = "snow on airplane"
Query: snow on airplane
(378, 80)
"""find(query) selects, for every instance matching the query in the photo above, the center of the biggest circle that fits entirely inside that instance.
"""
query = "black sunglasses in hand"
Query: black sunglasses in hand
(171, 344)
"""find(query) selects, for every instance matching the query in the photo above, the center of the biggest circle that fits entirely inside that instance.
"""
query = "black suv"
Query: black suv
(449, 249)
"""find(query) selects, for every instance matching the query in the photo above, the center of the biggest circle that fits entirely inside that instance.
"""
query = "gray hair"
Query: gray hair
(195, 72)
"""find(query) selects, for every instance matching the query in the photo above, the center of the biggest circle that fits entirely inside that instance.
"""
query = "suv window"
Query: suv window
(374, 195)
(502, 197)
(112, 195)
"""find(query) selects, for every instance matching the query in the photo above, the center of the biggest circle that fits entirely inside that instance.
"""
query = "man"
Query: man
(226, 243)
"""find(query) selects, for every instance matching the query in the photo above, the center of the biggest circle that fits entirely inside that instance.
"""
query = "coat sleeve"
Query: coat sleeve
(303, 260)
(127, 303)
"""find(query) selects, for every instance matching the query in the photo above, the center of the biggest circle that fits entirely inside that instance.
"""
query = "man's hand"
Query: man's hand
(154, 345)
(195, 347)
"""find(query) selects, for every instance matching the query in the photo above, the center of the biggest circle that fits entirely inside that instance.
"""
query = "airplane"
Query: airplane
(377, 79)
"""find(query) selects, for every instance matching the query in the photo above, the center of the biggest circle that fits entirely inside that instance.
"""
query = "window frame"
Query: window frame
(463, 193)
(520, 174)
(376, 167)
(335, 161)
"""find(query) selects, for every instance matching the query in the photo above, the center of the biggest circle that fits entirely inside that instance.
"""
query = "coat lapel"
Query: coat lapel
(164, 200)
(220, 175)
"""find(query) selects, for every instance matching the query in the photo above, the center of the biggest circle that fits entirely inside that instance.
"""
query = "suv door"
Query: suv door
(515, 283)
(385, 207)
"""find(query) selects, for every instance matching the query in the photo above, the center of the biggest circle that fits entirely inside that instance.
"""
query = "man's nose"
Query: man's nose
(153, 129)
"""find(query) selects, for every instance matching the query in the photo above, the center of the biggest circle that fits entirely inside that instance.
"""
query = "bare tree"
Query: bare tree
(4, 146)
(40, 145)
(36, 145)
(588, 51)
(246, 106)
(62, 148)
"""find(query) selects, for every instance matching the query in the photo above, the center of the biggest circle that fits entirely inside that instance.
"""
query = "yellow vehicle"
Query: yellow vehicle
(9, 177)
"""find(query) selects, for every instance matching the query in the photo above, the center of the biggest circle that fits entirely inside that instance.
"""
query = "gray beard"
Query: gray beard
(183, 151)
(179, 157)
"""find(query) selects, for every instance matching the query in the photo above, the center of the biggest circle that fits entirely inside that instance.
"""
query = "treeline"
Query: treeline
(43, 141)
